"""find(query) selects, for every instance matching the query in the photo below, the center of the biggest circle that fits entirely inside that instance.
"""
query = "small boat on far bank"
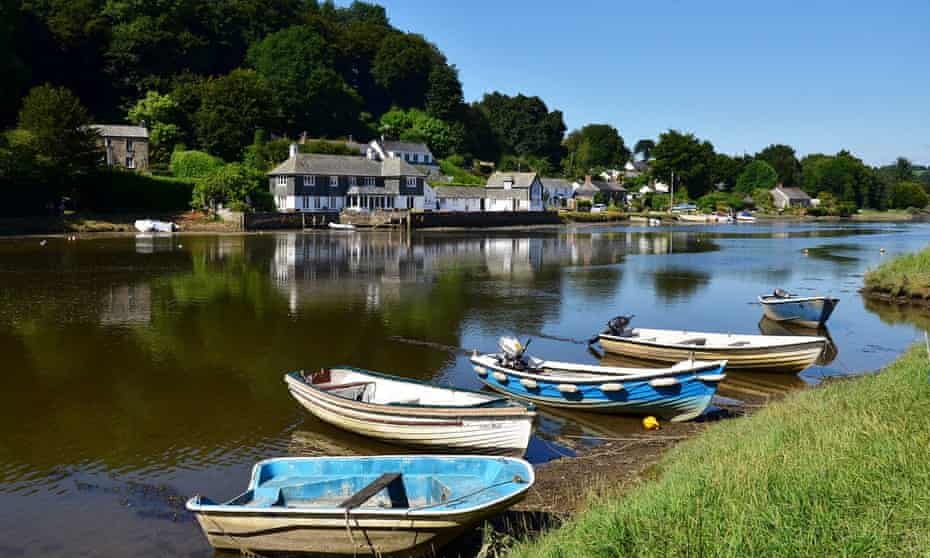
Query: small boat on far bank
(806, 311)
(694, 217)
(341, 226)
(764, 353)
(408, 412)
(149, 225)
(745, 217)
(678, 393)
(362, 506)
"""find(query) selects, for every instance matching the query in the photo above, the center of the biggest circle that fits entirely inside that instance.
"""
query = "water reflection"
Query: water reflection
(830, 351)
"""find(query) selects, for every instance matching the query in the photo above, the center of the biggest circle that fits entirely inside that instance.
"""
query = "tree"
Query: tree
(14, 71)
(846, 177)
(907, 194)
(782, 158)
(444, 97)
(757, 175)
(442, 138)
(524, 126)
(726, 169)
(59, 126)
(595, 145)
(161, 115)
(690, 159)
(232, 185)
(763, 201)
(403, 66)
(644, 148)
(232, 108)
(903, 169)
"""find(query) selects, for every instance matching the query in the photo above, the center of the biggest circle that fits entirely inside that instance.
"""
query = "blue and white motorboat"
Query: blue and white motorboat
(807, 311)
(678, 393)
(362, 506)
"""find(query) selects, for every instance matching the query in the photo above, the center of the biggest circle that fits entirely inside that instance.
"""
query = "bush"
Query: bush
(326, 147)
(453, 166)
(720, 201)
(583, 205)
(118, 190)
(908, 194)
(232, 185)
(191, 165)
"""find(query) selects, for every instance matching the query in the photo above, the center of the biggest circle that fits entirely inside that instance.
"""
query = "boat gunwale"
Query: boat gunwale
(195, 507)
(771, 299)
(510, 408)
(595, 379)
(798, 345)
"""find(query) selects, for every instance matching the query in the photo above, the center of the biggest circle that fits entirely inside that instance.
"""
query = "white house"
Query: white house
(459, 198)
(514, 191)
(414, 153)
(790, 197)
(556, 191)
(315, 182)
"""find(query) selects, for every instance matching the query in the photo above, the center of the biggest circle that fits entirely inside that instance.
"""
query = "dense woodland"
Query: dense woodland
(222, 85)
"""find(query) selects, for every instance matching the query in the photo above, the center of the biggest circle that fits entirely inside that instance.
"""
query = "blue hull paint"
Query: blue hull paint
(808, 312)
(683, 401)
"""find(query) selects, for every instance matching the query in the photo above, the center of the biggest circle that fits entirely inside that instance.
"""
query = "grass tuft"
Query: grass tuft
(841, 470)
(907, 275)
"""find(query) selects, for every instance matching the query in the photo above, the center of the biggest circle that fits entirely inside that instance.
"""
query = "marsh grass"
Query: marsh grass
(907, 275)
(840, 470)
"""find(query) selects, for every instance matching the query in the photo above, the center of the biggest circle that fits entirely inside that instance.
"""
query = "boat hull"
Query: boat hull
(484, 430)
(788, 359)
(675, 396)
(811, 312)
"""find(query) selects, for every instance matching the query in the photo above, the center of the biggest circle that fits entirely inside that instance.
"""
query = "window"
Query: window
(369, 181)
(411, 182)
(282, 180)
(130, 162)
(309, 181)
(129, 146)
(416, 157)
(306, 201)
(407, 157)
(316, 202)
(107, 142)
(332, 202)
(426, 158)
(353, 181)
(333, 181)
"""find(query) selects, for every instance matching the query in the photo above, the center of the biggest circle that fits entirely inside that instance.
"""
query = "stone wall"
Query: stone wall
(482, 219)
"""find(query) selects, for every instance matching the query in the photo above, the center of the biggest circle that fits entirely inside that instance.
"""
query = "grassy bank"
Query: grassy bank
(108, 223)
(904, 276)
(588, 217)
(841, 470)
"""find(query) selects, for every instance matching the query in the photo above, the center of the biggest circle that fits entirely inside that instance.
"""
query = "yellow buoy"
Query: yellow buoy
(651, 423)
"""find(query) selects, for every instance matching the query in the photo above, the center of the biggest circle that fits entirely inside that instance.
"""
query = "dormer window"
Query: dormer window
(333, 181)
(309, 181)
(508, 183)
(411, 182)
(282, 180)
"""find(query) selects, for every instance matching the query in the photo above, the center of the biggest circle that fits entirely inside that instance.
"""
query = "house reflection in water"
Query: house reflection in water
(127, 304)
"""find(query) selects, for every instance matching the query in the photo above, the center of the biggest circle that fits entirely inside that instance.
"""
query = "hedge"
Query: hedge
(116, 190)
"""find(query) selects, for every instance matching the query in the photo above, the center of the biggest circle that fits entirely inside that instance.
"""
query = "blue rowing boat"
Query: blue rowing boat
(678, 393)
(375, 506)
(806, 311)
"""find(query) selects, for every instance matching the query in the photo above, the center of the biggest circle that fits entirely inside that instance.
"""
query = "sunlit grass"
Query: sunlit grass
(841, 470)
(907, 275)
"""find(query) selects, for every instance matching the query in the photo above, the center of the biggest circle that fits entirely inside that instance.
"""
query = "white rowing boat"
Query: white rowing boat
(341, 227)
(412, 413)
(763, 353)
(148, 225)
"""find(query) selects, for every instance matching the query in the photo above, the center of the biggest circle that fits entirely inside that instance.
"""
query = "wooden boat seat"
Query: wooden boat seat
(413, 401)
(739, 344)
(331, 386)
(700, 341)
(396, 492)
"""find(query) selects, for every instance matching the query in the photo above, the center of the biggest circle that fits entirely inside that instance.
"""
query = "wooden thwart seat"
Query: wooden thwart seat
(396, 492)
(331, 386)
(693, 341)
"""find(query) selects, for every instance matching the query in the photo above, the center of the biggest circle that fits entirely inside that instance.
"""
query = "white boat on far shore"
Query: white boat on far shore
(149, 225)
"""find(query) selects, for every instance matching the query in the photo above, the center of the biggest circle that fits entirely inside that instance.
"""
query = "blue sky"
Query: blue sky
(820, 76)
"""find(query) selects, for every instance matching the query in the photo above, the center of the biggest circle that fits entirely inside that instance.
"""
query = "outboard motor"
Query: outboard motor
(513, 352)
(616, 327)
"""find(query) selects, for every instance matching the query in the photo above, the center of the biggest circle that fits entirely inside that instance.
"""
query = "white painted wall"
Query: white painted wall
(460, 204)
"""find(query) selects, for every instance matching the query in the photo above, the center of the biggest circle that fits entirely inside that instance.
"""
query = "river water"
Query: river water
(138, 371)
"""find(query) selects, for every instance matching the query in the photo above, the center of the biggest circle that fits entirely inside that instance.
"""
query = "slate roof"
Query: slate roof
(393, 145)
(556, 184)
(120, 131)
(463, 192)
(793, 193)
(520, 179)
(343, 165)
(586, 189)
(608, 186)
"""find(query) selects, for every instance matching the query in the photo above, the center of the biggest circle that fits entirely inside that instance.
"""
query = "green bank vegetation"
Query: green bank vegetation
(907, 276)
(839, 470)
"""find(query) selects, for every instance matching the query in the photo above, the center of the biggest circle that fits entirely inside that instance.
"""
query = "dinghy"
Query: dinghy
(342, 226)
(362, 506)
(677, 393)
(763, 353)
(745, 217)
(148, 225)
(806, 311)
(412, 413)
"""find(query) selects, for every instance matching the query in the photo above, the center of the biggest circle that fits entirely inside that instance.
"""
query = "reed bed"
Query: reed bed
(904, 276)
(840, 470)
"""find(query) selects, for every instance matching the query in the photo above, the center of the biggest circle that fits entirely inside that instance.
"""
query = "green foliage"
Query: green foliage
(232, 108)
(762, 199)
(908, 194)
(644, 148)
(656, 202)
(829, 205)
(58, 123)
(403, 66)
(114, 189)
(161, 115)
(727, 169)
(583, 205)
(192, 165)
(906, 275)
(903, 170)
(524, 126)
(593, 146)
(528, 163)
(844, 176)
(265, 155)
(23, 177)
(453, 166)
(232, 184)
(782, 158)
(838, 461)
(326, 147)
(12, 67)
(757, 174)
(415, 125)
(720, 201)
(691, 160)
(602, 198)
(444, 98)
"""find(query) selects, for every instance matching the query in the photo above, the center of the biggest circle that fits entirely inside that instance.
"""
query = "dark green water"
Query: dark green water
(139, 371)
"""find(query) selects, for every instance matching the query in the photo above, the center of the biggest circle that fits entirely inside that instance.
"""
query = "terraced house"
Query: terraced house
(314, 182)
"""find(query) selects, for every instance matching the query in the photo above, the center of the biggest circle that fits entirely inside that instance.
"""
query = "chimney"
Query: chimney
(293, 150)
(587, 179)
